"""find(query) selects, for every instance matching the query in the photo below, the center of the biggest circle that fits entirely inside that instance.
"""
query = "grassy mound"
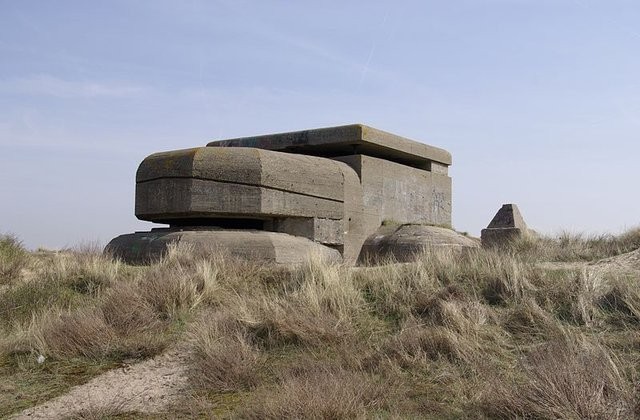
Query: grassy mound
(484, 334)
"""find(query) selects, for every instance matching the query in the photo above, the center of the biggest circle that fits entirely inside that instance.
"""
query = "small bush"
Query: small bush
(416, 345)
(24, 300)
(568, 378)
(80, 333)
(223, 358)
(528, 321)
(59, 281)
(324, 393)
(13, 259)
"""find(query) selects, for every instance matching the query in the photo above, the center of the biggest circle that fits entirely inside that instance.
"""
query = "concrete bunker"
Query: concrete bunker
(278, 197)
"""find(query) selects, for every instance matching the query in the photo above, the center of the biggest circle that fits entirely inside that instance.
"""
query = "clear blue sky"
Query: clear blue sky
(537, 100)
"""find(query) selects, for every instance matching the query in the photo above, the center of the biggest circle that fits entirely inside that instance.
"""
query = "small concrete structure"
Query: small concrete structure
(507, 225)
(404, 243)
(282, 196)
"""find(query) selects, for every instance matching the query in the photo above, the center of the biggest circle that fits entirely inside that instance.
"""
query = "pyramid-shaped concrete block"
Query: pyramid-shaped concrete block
(507, 225)
(508, 216)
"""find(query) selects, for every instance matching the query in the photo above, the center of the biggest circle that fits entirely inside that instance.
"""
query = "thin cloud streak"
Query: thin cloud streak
(47, 85)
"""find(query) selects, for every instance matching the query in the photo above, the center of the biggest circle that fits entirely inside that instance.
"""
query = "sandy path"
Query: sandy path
(145, 387)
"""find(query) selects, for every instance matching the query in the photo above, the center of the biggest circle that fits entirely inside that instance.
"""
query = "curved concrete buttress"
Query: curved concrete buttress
(280, 248)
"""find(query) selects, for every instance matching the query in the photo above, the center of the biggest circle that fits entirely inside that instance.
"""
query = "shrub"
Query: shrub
(13, 259)
(527, 321)
(325, 393)
(58, 281)
(318, 307)
(24, 300)
(567, 378)
(223, 358)
(79, 333)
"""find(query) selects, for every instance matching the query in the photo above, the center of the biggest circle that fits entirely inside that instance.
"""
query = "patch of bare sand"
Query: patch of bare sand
(628, 263)
(145, 387)
(624, 264)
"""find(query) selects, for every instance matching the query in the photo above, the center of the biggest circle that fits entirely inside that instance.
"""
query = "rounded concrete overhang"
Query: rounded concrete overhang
(239, 182)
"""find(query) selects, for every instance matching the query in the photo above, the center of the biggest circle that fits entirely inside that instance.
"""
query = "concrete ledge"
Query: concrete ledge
(280, 248)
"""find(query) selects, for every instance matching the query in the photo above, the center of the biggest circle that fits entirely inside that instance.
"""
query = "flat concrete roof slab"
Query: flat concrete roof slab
(346, 140)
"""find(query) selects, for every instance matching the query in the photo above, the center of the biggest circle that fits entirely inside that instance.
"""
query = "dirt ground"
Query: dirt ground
(146, 387)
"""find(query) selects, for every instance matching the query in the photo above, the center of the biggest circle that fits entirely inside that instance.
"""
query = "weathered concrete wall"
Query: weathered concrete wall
(324, 231)
(166, 199)
(401, 194)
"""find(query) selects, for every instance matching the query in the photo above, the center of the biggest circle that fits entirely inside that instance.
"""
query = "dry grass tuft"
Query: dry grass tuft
(622, 302)
(324, 393)
(589, 298)
(113, 410)
(417, 345)
(223, 357)
(315, 307)
(528, 321)
(576, 247)
(449, 308)
(568, 378)
(397, 292)
(84, 270)
(13, 259)
(59, 281)
(127, 311)
(80, 333)
(84, 304)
